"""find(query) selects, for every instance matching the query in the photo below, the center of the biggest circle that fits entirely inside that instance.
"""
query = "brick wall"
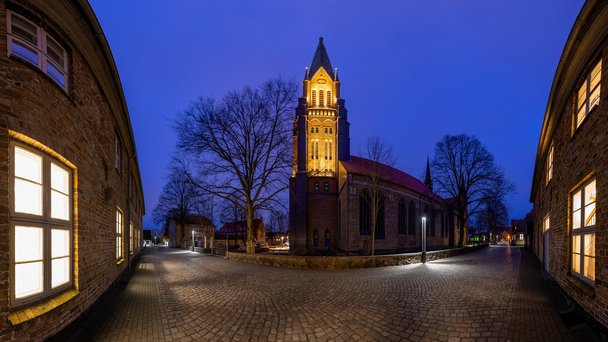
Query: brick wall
(81, 126)
(578, 155)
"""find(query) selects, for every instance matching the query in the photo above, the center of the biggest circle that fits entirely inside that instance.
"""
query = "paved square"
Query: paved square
(175, 295)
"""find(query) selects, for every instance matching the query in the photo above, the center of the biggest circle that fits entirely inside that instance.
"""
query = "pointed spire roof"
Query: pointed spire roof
(427, 176)
(321, 59)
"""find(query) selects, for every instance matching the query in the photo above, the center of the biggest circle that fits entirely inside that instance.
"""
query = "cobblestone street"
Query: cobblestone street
(175, 295)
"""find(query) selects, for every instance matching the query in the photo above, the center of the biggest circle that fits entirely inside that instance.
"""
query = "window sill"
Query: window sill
(23, 315)
(120, 261)
(582, 285)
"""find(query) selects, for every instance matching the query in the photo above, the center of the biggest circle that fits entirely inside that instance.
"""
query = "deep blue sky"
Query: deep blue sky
(411, 71)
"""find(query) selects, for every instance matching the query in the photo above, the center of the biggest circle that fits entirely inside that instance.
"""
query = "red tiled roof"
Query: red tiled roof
(363, 166)
(239, 226)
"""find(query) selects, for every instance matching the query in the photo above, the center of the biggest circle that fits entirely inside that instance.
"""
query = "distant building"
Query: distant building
(521, 230)
(235, 233)
(329, 186)
(570, 182)
(71, 200)
(502, 233)
(195, 227)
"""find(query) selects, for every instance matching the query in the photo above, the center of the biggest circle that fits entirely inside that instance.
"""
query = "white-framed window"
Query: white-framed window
(521, 236)
(589, 93)
(546, 223)
(549, 164)
(31, 43)
(119, 235)
(583, 230)
(41, 225)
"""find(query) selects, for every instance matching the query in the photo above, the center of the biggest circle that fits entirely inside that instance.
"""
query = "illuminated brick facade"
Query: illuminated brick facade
(61, 101)
(570, 184)
(327, 182)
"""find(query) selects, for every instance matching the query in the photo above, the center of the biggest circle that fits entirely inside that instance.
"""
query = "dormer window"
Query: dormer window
(32, 44)
(589, 94)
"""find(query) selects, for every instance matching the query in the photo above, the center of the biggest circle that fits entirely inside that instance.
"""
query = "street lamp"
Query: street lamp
(193, 240)
(423, 254)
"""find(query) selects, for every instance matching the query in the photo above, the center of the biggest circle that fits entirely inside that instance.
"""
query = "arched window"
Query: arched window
(330, 149)
(364, 214)
(327, 242)
(329, 97)
(325, 186)
(325, 130)
(411, 227)
(315, 238)
(401, 218)
(320, 98)
(326, 150)
(316, 129)
(314, 97)
(330, 131)
(426, 214)
(432, 221)
(380, 232)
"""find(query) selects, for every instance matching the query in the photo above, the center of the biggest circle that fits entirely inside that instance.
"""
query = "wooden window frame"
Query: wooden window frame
(582, 231)
(44, 221)
(588, 107)
(41, 49)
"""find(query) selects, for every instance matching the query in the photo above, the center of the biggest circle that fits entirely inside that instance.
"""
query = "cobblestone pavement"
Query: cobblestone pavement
(495, 294)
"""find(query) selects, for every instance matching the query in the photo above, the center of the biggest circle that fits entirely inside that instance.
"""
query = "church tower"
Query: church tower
(320, 141)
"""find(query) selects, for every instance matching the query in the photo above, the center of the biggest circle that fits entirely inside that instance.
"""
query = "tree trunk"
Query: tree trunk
(250, 244)
(461, 230)
(373, 228)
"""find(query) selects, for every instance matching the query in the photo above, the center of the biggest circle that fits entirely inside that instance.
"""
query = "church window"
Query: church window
(317, 150)
(329, 97)
(411, 227)
(589, 94)
(315, 238)
(327, 239)
(312, 130)
(325, 186)
(325, 130)
(432, 221)
(380, 221)
(316, 129)
(321, 98)
(314, 97)
(401, 218)
(330, 150)
(325, 149)
(364, 214)
(427, 214)
(330, 131)
(316, 186)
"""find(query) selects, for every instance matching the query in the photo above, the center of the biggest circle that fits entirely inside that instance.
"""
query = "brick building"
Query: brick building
(235, 233)
(180, 235)
(521, 230)
(71, 200)
(328, 187)
(570, 184)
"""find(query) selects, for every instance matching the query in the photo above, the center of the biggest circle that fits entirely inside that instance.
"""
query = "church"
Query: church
(329, 207)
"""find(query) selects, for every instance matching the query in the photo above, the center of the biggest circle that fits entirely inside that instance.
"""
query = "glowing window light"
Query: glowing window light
(28, 182)
(28, 261)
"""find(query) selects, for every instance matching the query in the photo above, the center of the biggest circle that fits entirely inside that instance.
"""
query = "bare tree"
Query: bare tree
(279, 220)
(178, 200)
(465, 170)
(382, 158)
(241, 146)
(493, 213)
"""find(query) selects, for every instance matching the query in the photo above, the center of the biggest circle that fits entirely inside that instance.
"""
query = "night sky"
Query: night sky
(411, 71)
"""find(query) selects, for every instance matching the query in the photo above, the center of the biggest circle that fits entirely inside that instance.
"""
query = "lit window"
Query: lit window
(583, 230)
(42, 229)
(546, 223)
(34, 45)
(589, 93)
(550, 164)
(119, 234)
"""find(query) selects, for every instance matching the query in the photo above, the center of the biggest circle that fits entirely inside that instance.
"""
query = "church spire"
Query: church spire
(427, 176)
(321, 59)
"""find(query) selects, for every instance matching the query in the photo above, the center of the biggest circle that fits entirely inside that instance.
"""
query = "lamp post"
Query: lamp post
(193, 240)
(423, 254)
